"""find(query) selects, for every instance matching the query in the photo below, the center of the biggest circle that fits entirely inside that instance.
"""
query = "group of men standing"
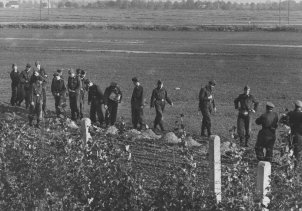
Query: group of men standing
(31, 87)
(246, 104)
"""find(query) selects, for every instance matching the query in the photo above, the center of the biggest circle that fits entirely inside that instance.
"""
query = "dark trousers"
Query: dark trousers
(24, 95)
(265, 140)
(297, 144)
(96, 109)
(73, 102)
(81, 103)
(137, 117)
(58, 103)
(206, 120)
(13, 100)
(35, 111)
(44, 99)
(159, 108)
(112, 111)
(244, 127)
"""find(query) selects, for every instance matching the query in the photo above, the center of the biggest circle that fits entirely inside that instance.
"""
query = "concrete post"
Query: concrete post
(263, 181)
(215, 166)
(85, 123)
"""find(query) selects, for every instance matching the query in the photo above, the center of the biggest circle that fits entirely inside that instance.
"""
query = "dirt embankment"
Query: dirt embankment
(101, 26)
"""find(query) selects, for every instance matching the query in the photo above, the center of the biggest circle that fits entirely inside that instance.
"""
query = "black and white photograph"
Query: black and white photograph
(150, 105)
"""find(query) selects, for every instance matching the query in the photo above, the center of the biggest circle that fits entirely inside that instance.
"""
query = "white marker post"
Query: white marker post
(263, 182)
(215, 166)
(85, 123)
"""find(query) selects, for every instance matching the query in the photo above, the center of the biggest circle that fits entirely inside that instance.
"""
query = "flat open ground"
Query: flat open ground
(269, 62)
(152, 17)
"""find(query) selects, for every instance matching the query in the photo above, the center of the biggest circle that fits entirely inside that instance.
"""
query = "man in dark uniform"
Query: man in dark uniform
(14, 75)
(82, 74)
(42, 73)
(294, 119)
(206, 106)
(113, 96)
(24, 86)
(267, 135)
(158, 100)
(137, 104)
(74, 86)
(96, 102)
(246, 104)
(58, 90)
(36, 100)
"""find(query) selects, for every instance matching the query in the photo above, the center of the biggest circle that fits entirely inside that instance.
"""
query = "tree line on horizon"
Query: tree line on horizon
(184, 4)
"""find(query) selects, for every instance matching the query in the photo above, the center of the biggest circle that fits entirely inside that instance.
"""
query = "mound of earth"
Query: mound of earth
(171, 138)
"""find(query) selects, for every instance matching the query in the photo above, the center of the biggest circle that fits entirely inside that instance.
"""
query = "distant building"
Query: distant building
(11, 4)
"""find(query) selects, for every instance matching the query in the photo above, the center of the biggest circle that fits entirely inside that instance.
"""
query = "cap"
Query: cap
(113, 84)
(270, 105)
(71, 71)
(247, 87)
(28, 65)
(39, 78)
(87, 81)
(83, 72)
(212, 82)
(56, 74)
(59, 71)
(37, 63)
(134, 79)
(78, 71)
(298, 103)
(159, 82)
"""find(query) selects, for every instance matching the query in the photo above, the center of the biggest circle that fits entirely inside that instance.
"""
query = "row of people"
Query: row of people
(103, 106)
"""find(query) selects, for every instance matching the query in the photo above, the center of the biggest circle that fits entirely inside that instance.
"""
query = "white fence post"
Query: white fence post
(215, 166)
(85, 123)
(263, 181)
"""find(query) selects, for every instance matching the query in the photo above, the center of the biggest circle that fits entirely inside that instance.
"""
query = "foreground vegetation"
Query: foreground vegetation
(52, 169)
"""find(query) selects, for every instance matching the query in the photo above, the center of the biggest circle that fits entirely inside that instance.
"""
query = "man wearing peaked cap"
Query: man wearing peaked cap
(158, 100)
(267, 135)
(58, 90)
(42, 73)
(113, 96)
(294, 120)
(246, 105)
(36, 100)
(24, 86)
(206, 106)
(73, 87)
(137, 104)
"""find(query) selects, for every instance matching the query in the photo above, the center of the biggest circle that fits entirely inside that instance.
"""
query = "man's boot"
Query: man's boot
(38, 124)
(30, 122)
(246, 143)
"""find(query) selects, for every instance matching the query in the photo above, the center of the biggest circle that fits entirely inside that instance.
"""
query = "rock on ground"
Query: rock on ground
(149, 134)
(171, 138)
(71, 124)
(112, 130)
(191, 142)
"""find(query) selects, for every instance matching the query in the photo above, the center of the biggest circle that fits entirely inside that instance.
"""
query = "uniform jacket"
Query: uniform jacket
(204, 97)
(268, 120)
(36, 93)
(15, 76)
(159, 94)
(74, 84)
(294, 119)
(58, 86)
(95, 94)
(112, 89)
(247, 103)
(25, 79)
(137, 99)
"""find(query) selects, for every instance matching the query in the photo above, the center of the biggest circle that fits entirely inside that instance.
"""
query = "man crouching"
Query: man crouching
(36, 101)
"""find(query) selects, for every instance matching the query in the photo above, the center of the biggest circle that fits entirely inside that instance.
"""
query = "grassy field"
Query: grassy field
(269, 62)
(150, 17)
